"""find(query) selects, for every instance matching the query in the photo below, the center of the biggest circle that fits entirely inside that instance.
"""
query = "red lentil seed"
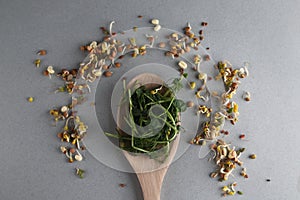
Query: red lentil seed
(242, 136)
(122, 185)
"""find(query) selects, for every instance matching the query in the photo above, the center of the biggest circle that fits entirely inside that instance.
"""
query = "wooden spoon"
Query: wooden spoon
(150, 172)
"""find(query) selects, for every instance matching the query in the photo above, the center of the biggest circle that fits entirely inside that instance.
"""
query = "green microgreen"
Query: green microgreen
(162, 128)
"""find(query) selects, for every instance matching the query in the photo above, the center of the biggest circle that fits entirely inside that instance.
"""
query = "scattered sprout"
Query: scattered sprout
(30, 99)
(80, 172)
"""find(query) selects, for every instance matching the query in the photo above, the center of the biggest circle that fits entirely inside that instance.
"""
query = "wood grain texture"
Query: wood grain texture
(150, 172)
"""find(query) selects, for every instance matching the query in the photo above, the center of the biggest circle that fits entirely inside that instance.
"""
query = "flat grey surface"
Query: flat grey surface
(264, 33)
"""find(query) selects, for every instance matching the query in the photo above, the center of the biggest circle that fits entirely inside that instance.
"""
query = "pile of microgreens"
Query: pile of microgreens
(162, 130)
(105, 57)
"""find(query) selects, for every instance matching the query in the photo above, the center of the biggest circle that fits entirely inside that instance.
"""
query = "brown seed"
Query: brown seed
(118, 65)
(45, 73)
(247, 99)
(82, 48)
(187, 29)
(107, 73)
(140, 16)
(42, 52)
(207, 48)
(162, 45)
(242, 136)
(206, 57)
(122, 185)
(74, 72)
(105, 67)
(252, 156)
(204, 24)
(72, 150)
(60, 135)
(201, 37)
(69, 77)
(201, 32)
(190, 104)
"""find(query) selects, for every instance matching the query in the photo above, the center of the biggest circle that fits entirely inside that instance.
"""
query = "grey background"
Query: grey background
(264, 33)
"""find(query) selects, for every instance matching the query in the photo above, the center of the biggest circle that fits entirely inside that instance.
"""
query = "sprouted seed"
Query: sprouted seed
(247, 96)
(80, 172)
(105, 58)
(37, 62)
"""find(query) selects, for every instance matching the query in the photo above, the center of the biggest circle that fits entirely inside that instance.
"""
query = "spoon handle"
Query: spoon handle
(151, 183)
